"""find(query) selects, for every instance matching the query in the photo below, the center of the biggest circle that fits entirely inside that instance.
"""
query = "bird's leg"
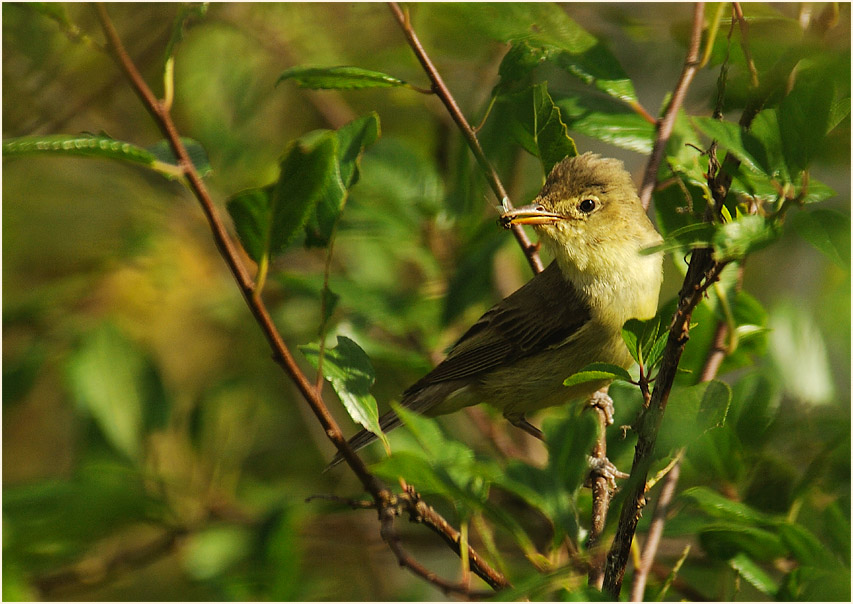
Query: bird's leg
(520, 422)
(599, 465)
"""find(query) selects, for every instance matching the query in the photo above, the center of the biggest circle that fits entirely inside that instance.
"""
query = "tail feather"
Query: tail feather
(418, 399)
(387, 422)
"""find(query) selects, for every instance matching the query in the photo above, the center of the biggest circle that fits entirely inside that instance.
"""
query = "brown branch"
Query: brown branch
(666, 123)
(531, 250)
(702, 272)
(653, 537)
(600, 504)
(385, 500)
(744, 43)
(94, 570)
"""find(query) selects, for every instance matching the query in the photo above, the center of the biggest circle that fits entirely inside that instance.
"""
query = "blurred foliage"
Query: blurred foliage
(151, 449)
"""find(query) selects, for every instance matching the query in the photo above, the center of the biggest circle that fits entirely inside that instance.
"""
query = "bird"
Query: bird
(517, 355)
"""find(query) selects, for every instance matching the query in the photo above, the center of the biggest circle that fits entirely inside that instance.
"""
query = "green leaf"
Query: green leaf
(755, 405)
(598, 371)
(732, 137)
(828, 231)
(717, 506)
(348, 370)
(158, 157)
(308, 164)
(268, 218)
(112, 381)
(250, 212)
(805, 547)
(540, 129)
(353, 138)
(819, 100)
(211, 552)
(339, 78)
(809, 584)
(691, 236)
(186, 12)
(546, 32)
(641, 336)
(735, 240)
(607, 120)
(691, 412)
(81, 145)
(724, 541)
(754, 574)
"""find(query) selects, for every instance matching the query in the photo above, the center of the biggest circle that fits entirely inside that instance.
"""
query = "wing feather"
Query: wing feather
(542, 314)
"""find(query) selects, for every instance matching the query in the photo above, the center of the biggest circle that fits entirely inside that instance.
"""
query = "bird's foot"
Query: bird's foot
(601, 467)
(601, 400)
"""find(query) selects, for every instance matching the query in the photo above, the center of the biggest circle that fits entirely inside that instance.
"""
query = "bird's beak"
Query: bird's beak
(532, 214)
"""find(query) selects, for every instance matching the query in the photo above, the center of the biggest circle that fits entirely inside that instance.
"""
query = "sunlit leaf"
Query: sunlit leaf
(598, 371)
(348, 369)
(343, 77)
(735, 240)
(754, 574)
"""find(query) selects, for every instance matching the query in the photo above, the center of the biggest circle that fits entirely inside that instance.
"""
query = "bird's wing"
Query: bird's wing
(541, 315)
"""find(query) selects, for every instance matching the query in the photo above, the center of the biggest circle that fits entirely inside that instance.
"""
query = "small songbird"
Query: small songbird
(517, 355)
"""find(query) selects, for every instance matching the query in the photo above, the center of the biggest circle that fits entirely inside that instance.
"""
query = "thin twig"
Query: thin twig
(650, 547)
(744, 43)
(666, 123)
(531, 251)
(385, 500)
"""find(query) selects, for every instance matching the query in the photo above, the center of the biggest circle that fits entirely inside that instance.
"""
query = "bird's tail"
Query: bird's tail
(387, 422)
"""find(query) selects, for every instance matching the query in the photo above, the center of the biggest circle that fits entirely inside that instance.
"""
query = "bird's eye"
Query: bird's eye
(587, 206)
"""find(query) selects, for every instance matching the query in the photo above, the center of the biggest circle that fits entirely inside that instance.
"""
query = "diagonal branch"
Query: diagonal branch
(666, 123)
(385, 500)
(531, 250)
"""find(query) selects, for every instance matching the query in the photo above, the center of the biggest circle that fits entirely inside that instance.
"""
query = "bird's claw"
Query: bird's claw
(601, 400)
(601, 467)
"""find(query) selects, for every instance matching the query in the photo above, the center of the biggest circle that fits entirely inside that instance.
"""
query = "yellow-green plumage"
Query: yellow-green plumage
(516, 356)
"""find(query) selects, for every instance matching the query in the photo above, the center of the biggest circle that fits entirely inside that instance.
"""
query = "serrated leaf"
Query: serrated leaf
(339, 78)
(349, 371)
(158, 157)
(717, 506)
(828, 231)
(640, 337)
(735, 240)
(754, 574)
(546, 31)
(82, 145)
(607, 120)
(598, 371)
(307, 167)
(353, 138)
(540, 129)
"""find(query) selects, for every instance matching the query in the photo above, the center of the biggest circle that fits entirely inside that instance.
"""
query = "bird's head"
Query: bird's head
(588, 210)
